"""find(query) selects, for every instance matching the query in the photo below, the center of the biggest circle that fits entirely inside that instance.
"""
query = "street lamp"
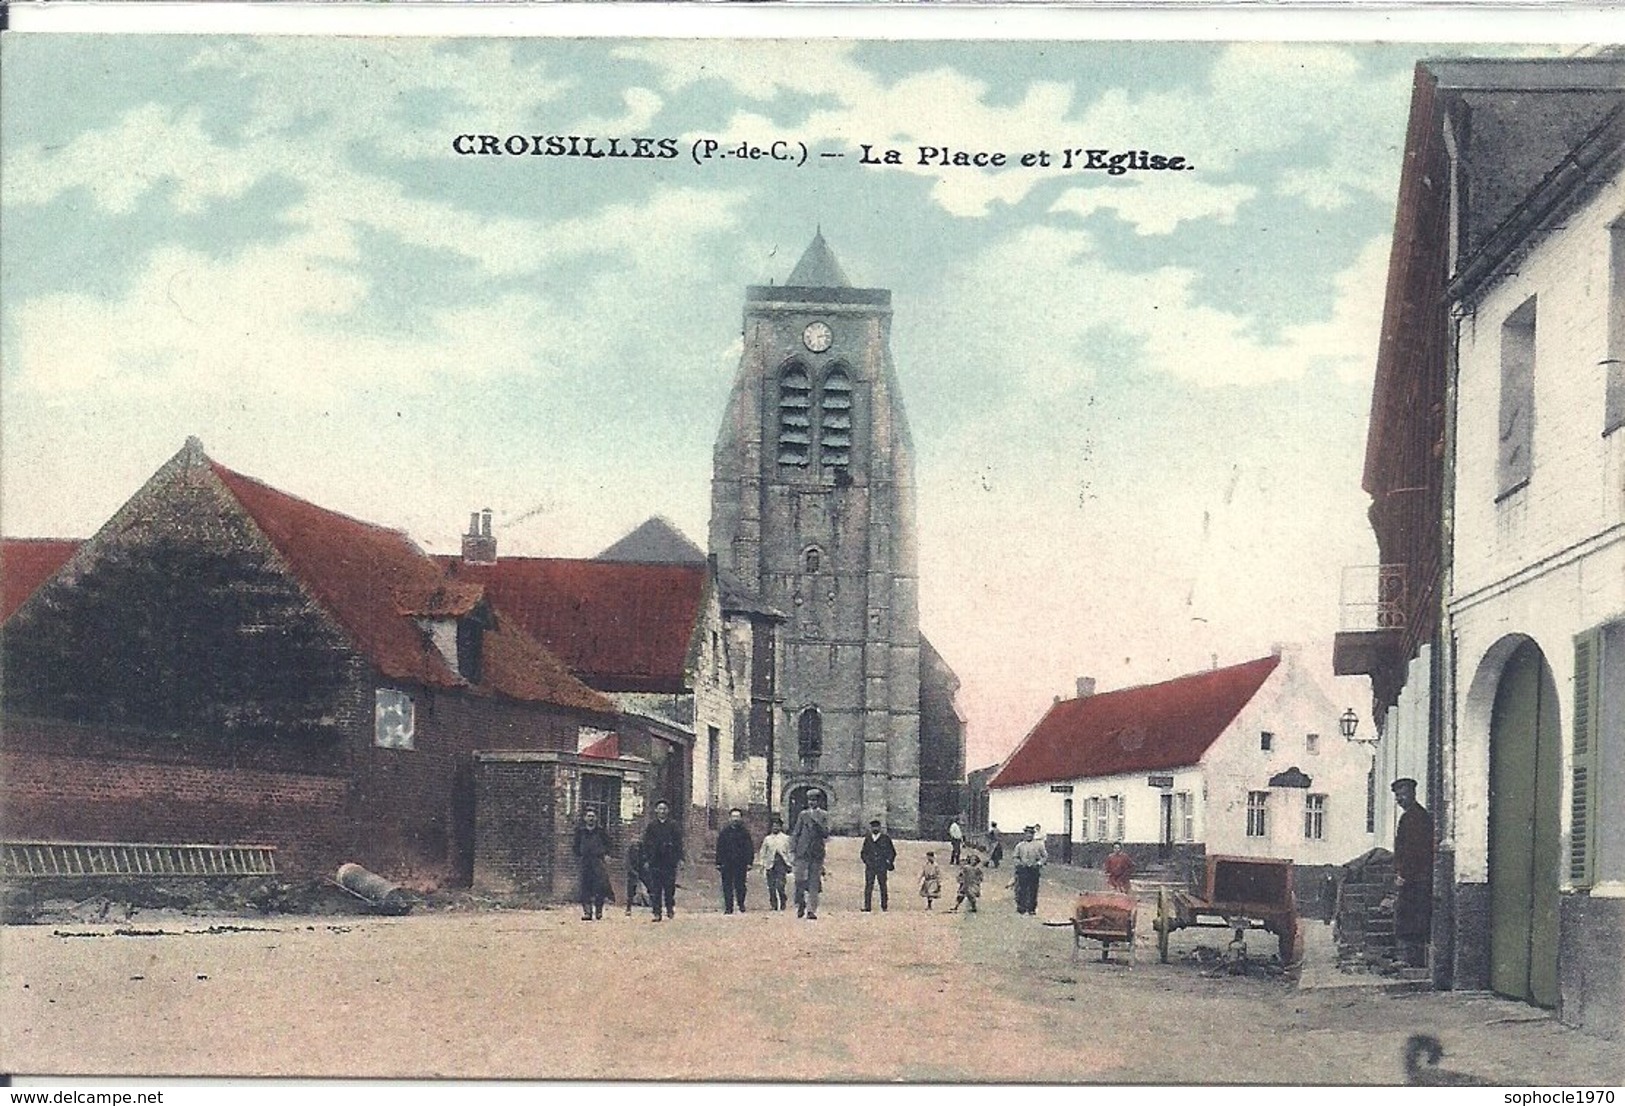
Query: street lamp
(1349, 724)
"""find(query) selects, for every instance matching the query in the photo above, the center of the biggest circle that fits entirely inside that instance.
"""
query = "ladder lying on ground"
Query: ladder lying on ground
(34, 859)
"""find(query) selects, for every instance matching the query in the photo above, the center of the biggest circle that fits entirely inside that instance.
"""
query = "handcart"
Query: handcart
(1105, 917)
(1242, 893)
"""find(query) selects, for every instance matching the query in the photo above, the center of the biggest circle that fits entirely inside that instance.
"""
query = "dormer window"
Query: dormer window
(795, 416)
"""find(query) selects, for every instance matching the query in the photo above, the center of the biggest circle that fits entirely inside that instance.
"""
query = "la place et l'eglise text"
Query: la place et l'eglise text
(564, 145)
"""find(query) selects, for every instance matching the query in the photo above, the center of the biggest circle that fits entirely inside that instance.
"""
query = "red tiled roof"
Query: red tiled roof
(1137, 729)
(25, 564)
(618, 626)
(372, 579)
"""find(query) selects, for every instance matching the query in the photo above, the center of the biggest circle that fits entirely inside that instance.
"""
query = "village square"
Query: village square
(303, 793)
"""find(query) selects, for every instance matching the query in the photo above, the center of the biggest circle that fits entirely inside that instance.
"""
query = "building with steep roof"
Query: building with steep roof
(1244, 760)
(227, 663)
(650, 624)
(812, 513)
(1497, 473)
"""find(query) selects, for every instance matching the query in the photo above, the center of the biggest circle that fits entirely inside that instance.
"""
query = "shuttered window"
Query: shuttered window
(1583, 806)
(835, 424)
(795, 416)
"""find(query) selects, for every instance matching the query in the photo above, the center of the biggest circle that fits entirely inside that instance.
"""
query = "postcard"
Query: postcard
(899, 558)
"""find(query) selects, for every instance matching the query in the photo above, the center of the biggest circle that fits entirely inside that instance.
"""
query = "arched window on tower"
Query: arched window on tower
(795, 416)
(810, 734)
(814, 560)
(835, 422)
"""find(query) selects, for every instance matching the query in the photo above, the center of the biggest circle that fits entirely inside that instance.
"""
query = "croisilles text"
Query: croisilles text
(564, 145)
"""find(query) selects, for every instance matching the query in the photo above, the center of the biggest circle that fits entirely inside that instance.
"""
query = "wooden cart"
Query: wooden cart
(1241, 893)
(1105, 917)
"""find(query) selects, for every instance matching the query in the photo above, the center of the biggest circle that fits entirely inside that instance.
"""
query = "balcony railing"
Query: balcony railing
(1373, 598)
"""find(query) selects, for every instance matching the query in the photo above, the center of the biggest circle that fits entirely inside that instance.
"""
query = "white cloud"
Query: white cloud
(149, 147)
(1040, 331)
(1158, 205)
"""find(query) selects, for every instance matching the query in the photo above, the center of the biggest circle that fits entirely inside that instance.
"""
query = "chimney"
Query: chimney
(1086, 686)
(479, 547)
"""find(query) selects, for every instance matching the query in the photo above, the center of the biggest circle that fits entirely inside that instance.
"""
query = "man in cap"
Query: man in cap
(879, 856)
(1030, 858)
(1413, 875)
(807, 847)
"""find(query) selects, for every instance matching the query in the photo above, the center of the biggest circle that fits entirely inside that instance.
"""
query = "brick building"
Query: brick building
(225, 663)
(691, 664)
(1503, 365)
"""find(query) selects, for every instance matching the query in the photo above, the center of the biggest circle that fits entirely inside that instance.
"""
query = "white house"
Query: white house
(1245, 760)
(1506, 314)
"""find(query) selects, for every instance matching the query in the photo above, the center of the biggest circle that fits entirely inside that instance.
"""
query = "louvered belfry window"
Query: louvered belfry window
(835, 421)
(795, 416)
(1583, 801)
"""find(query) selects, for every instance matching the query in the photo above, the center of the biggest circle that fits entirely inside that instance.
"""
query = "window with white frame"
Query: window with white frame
(1100, 820)
(393, 719)
(1117, 817)
(1088, 813)
(1314, 817)
(1184, 816)
(1256, 825)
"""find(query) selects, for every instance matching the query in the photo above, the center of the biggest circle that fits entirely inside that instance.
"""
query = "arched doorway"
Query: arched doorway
(1525, 829)
(797, 801)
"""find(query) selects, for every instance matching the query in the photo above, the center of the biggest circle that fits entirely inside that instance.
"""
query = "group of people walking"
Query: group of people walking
(652, 862)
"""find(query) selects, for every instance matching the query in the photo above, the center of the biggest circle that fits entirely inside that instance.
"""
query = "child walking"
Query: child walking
(930, 880)
(970, 884)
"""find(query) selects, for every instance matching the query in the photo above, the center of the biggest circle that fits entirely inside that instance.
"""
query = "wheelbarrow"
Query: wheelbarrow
(1104, 917)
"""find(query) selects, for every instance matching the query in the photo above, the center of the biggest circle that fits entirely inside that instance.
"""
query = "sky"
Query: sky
(1138, 401)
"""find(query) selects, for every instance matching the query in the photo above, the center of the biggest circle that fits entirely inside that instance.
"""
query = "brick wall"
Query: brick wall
(418, 805)
(525, 814)
(79, 798)
(407, 814)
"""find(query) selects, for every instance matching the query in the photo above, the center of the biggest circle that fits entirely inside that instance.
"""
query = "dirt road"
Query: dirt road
(907, 995)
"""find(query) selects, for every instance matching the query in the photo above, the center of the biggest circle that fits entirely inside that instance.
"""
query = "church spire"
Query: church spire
(818, 267)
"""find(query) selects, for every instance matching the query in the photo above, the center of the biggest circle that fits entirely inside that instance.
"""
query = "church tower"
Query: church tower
(812, 509)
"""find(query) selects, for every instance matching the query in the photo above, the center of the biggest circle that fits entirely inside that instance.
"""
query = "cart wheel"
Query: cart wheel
(1164, 924)
(1291, 944)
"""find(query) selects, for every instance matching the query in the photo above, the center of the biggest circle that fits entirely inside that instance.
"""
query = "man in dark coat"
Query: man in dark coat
(735, 851)
(879, 857)
(662, 853)
(592, 851)
(1413, 875)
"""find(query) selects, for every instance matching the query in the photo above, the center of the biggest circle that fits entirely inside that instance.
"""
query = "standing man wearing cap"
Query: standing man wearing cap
(1030, 858)
(879, 856)
(1413, 875)
(807, 847)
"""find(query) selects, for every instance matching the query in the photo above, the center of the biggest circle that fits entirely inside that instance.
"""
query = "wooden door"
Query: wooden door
(1525, 842)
